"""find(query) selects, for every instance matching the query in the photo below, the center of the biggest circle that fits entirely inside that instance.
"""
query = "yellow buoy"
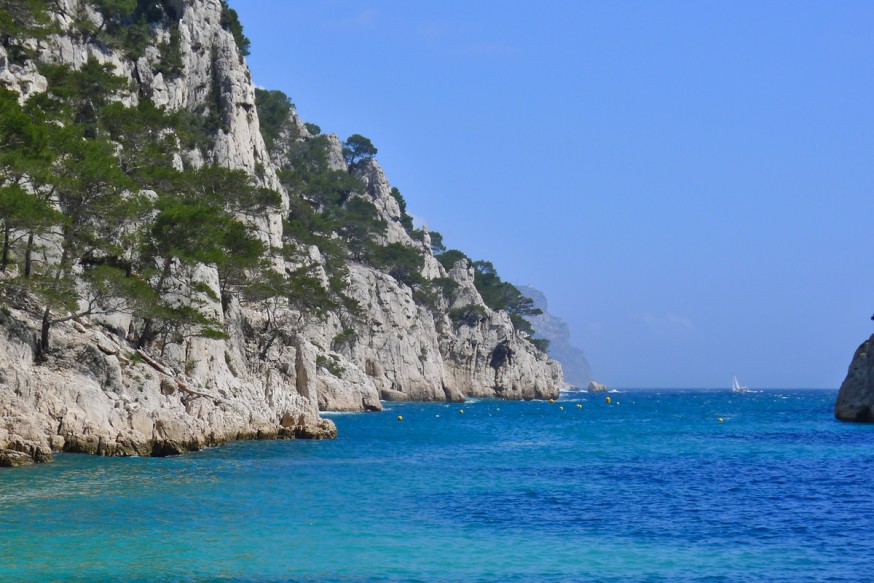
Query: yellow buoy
(606, 399)
(552, 400)
(579, 406)
(561, 408)
(721, 419)
(400, 418)
(461, 411)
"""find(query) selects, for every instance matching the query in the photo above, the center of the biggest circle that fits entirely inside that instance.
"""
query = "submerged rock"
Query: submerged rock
(855, 400)
(10, 458)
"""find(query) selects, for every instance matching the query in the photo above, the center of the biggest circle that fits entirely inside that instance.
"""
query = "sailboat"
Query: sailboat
(736, 387)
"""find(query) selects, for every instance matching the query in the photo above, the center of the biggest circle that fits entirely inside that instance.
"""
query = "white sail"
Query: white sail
(737, 387)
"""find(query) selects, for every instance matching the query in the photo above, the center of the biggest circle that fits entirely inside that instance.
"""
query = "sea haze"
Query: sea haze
(655, 485)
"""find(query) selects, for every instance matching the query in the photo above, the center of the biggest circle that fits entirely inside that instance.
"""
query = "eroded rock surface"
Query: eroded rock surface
(855, 401)
(96, 393)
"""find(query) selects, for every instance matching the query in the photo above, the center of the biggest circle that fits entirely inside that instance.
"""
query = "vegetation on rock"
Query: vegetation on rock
(357, 148)
(230, 21)
(96, 216)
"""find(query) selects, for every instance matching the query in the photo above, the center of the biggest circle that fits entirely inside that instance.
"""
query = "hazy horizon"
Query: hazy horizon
(689, 184)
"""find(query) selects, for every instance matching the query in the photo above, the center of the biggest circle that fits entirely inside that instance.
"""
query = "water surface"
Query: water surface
(651, 487)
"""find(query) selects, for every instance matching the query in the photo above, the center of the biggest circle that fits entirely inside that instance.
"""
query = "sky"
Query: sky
(689, 183)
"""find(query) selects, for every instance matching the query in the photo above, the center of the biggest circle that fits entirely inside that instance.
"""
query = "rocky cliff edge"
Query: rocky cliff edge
(96, 393)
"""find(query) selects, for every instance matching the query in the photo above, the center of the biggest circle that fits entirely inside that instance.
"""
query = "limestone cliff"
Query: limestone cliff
(574, 364)
(276, 364)
(855, 401)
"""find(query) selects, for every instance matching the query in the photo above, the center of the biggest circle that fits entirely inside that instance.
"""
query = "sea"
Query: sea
(656, 485)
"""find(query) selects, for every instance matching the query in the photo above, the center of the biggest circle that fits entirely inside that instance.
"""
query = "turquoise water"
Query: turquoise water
(651, 487)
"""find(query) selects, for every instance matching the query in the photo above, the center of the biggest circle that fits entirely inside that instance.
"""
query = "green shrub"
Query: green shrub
(503, 296)
(449, 258)
(406, 220)
(446, 286)
(344, 338)
(469, 315)
(230, 21)
(331, 364)
(541, 344)
(274, 108)
(401, 262)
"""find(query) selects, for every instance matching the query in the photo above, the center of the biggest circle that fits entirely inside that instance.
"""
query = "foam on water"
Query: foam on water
(654, 489)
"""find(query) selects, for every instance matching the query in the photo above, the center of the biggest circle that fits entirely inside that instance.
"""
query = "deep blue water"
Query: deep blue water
(652, 487)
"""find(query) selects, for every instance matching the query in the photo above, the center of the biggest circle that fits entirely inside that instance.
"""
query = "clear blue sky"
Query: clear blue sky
(690, 183)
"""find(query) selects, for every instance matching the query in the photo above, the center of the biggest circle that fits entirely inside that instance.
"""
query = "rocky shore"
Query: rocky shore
(97, 393)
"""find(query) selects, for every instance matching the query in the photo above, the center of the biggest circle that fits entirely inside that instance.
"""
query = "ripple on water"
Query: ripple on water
(653, 490)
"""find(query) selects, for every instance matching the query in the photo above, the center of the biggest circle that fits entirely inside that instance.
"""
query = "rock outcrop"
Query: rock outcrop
(855, 401)
(277, 366)
(595, 387)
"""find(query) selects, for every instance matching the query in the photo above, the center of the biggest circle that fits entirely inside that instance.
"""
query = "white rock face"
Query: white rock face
(379, 193)
(336, 161)
(407, 355)
(25, 80)
(96, 394)
(278, 367)
(432, 268)
(492, 360)
(596, 387)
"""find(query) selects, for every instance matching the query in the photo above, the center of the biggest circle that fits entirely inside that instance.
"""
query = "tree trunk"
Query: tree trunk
(4, 261)
(44, 337)
(147, 325)
(263, 354)
(28, 250)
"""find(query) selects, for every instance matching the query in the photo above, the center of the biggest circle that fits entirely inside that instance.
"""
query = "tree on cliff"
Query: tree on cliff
(90, 191)
(357, 148)
(79, 96)
(230, 21)
(24, 157)
(21, 20)
(502, 295)
(196, 223)
(274, 110)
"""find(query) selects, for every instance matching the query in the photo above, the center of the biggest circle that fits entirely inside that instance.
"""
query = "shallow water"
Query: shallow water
(651, 487)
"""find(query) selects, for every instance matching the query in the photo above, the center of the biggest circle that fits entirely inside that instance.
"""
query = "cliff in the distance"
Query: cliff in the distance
(347, 328)
(573, 361)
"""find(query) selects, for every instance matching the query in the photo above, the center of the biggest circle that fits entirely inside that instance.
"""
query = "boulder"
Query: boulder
(12, 459)
(855, 401)
(597, 387)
